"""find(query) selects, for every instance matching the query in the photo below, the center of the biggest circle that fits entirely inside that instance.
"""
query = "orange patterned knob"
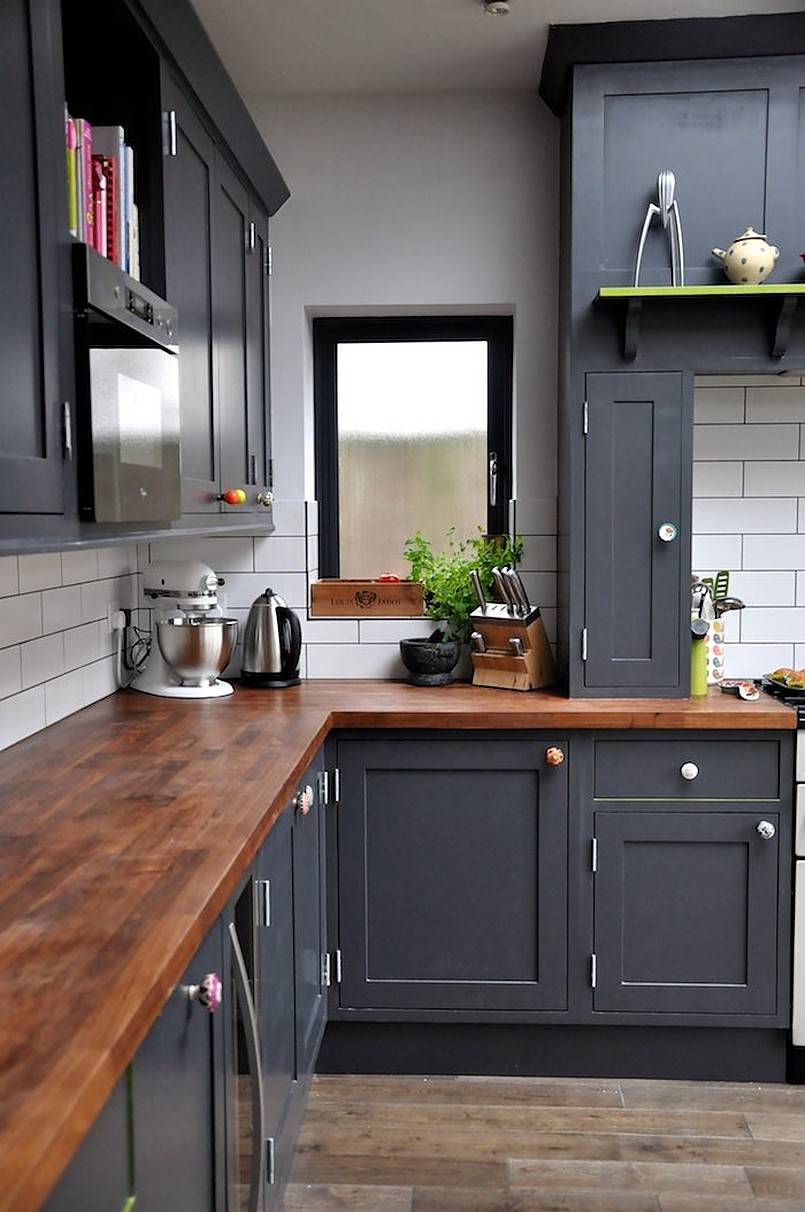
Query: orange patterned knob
(233, 496)
(554, 756)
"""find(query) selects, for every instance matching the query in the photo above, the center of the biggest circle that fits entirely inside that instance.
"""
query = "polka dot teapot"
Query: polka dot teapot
(749, 260)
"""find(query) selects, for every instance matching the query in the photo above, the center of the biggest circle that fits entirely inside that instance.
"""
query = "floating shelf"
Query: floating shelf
(786, 296)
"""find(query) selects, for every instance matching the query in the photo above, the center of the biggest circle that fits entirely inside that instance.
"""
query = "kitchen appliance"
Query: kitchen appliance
(509, 648)
(666, 210)
(191, 640)
(272, 643)
(127, 378)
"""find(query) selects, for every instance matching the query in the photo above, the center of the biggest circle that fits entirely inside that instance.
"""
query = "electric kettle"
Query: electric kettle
(272, 643)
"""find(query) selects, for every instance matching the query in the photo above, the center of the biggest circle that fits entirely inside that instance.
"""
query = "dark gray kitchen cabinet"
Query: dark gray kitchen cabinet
(258, 368)
(31, 250)
(99, 1174)
(189, 190)
(452, 875)
(686, 911)
(178, 1097)
(633, 577)
(309, 925)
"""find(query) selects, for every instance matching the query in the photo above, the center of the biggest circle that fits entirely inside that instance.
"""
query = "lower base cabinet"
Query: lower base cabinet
(100, 1174)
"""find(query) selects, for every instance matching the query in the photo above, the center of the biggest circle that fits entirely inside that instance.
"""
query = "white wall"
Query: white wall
(420, 204)
(749, 512)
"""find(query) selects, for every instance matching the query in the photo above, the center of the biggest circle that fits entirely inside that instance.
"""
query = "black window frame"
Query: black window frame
(330, 332)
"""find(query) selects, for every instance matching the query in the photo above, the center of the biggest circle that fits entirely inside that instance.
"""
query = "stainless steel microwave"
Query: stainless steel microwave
(127, 370)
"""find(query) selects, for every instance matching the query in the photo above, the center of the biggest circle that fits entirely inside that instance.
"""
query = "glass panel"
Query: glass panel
(412, 447)
(243, 1130)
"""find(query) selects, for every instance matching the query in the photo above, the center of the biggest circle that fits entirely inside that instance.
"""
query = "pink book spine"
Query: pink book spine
(89, 210)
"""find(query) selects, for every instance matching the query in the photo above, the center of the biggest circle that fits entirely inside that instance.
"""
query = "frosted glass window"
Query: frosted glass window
(412, 447)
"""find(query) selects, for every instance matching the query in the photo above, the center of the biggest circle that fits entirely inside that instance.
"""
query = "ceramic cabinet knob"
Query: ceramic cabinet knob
(209, 993)
(554, 756)
(303, 801)
(689, 770)
(766, 830)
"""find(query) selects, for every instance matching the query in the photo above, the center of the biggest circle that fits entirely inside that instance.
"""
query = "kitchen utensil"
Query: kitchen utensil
(749, 259)
(504, 592)
(667, 210)
(723, 605)
(475, 578)
(197, 648)
(272, 643)
(516, 590)
(698, 657)
(477, 642)
(524, 598)
(516, 645)
(191, 642)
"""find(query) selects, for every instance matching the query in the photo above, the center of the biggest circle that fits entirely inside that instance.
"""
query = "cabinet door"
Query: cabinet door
(452, 875)
(98, 1175)
(189, 183)
(34, 235)
(177, 1078)
(633, 595)
(257, 352)
(309, 943)
(686, 912)
(276, 990)
(231, 328)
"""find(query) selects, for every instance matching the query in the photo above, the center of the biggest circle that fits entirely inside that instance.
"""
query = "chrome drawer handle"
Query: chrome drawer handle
(766, 830)
(689, 770)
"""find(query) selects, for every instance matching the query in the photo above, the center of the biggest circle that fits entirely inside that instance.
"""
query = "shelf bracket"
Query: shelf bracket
(631, 328)
(782, 329)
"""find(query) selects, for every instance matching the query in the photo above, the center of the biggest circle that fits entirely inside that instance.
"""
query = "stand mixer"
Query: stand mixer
(191, 641)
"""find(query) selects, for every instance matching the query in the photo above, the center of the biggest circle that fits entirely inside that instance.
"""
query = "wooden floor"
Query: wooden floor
(405, 1144)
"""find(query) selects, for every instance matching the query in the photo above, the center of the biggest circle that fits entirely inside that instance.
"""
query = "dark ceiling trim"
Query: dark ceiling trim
(185, 40)
(658, 41)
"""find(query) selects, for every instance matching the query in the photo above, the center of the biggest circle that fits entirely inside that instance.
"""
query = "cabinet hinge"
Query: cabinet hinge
(593, 970)
(269, 255)
(264, 887)
(67, 431)
(594, 855)
(171, 142)
(336, 785)
(584, 643)
(585, 423)
(270, 1160)
(339, 967)
(324, 787)
(250, 238)
(326, 979)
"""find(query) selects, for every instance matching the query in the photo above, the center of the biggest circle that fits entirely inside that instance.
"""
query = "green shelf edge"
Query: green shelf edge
(698, 292)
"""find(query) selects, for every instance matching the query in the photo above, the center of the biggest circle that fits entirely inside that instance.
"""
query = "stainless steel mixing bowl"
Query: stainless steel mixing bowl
(196, 647)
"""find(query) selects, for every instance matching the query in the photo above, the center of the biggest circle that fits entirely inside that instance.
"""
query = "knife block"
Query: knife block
(500, 667)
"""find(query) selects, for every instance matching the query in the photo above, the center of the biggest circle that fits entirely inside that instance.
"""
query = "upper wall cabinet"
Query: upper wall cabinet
(31, 141)
(204, 185)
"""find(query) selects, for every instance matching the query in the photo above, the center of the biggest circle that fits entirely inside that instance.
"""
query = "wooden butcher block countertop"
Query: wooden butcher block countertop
(124, 830)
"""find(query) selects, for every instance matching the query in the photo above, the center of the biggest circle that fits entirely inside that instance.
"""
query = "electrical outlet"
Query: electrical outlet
(116, 618)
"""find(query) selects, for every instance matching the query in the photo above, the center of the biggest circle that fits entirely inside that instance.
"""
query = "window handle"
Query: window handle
(493, 478)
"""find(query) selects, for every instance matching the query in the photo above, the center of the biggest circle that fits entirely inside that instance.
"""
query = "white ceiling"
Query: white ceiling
(301, 47)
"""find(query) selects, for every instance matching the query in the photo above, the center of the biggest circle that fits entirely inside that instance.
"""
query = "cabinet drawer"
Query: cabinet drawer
(636, 769)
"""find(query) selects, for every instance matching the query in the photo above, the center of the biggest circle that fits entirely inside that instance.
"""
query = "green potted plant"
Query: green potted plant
(449, 598)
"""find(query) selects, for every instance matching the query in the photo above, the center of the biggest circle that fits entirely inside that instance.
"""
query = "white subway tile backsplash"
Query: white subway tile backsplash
(540, 587)
(278, 553)
(770, 551)
(243, 587)
(765, 404)
(354, 661)
(539, 554)
(117, 561)
(20, 618)
(774, 479)
(312, 508)
(774, 624)
(9, 576)
(746, 442)
(719, 405)
(99, 680)
(10, 671)
(41, 571)
(61, 608)
(746, 515)
(711, 552)
(42, 659)
(763, 588)
(535, 515)
(753, 660)
(329, 631)
(312, 553)
(79, 564)
(719, 479)
(64, 695)
(21, 715)
(781, 380)
(82, 645)
(290, 517)
(391, 631)
(228, 553)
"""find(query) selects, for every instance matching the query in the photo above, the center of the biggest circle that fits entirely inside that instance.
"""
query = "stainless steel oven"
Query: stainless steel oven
(128, 396)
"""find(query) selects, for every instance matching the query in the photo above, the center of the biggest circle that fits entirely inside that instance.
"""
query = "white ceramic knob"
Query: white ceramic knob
(689, 770)
(667, 531)
(766, 830)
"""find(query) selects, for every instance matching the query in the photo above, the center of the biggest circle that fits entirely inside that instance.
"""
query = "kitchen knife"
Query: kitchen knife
(502, 587)
(479, 589)
(516, 589)
(477, 642)
(523, 594)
